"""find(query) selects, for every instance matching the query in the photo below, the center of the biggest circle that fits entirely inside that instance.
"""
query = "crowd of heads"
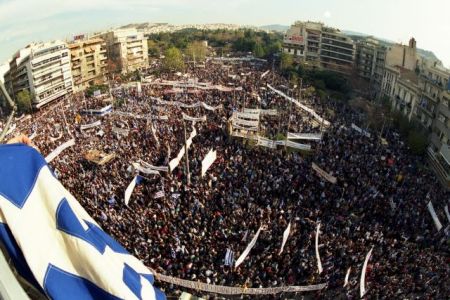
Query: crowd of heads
(379, 199)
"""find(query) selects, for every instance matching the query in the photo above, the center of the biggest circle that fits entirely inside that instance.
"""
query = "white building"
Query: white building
(127, 48)
(42, 69)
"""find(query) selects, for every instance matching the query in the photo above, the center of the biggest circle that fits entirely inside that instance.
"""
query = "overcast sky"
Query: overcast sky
(23, 21)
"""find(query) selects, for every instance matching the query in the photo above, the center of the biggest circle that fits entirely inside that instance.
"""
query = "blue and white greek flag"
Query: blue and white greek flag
(229, 257)
(52, 241)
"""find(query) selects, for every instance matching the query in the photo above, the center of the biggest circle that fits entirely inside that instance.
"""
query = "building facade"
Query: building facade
(43, 70)
(88, 63)
(127, 48)
(370, 61)
(315, 45)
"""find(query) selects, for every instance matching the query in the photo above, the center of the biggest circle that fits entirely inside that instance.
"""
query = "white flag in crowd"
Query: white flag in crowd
(446, 213)
(319, 263)
(437, 223)
(158, 195)
(136, 180)
(58, 150)
(247, 250)
(91, 125)
(209, 159)
(285, 237)
(176, 161)
(347, 276)
(229, 257)
(362, 283)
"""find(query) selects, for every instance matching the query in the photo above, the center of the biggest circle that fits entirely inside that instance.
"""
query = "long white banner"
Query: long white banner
(249, 116)
(144, 170)
(92, 125)
(184, 105)
(129, 190)
(253, 128)
(176, 161)
(304, 107)
(193, 119)
(101, 112)
(247, 250)
(362, 282)
(362, 131)
(268, 112)
(290, 144)
(265, 73)
(319, 263)
(208, 161)
(323, 174)
(266, 143)
(152, 167)
(304, 136)
(437, 223)
(59, 149)
(285, 237)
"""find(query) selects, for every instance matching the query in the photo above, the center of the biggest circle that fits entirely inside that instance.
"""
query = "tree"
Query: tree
(23, 100)
(196, 51)
(173, 60)
(417, 141)
(286, 61)
(258, 50)
(153, 48)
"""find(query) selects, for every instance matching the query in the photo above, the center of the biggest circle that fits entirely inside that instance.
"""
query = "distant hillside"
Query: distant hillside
(275, 27)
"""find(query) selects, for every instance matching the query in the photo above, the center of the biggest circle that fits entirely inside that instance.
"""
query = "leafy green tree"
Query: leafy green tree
(286, 61)
(153, 48)
(196, 50)
(258, 50)
(23, 100)
(173, 60)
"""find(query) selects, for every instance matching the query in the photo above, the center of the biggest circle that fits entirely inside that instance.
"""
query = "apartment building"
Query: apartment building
(315, 45)
(370, 62)
(42, 69)
(127, 48)
(88, 62)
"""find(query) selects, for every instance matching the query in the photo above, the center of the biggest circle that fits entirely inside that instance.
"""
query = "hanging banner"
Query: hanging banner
(154, 135)
(101, 112)
(235, 126)
(152, 167)
(266, 143)
(58, 150)
(437, 223)
(298, 104)
(362, 283)
(285, 237)
(247, 250)
(192, 119)
(347, 276)
(304, 136)
(211, 108)
(362, 131)
(319, 263)
(324, 174)
(144, 170)
(249, 116)
(245, 122)
(92, 125)
(136, 180)
(208, 161)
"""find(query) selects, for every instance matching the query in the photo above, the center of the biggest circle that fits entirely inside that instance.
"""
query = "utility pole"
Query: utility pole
(186, 155)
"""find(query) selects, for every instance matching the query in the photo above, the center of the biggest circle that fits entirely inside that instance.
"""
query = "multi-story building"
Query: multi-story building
(404, 56)
(316, 45)
(127, 48)
(370, 62)
(406, 93)
(89, 62)
(42, 69)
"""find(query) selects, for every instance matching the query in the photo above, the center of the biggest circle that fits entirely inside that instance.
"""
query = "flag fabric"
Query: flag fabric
(433, 214)
(59, 150)
(319, 263)
(54, 243)
(136, 181)
(209, 159)
(362, 282)
(285, 237)
(229, 257)
(347, 276)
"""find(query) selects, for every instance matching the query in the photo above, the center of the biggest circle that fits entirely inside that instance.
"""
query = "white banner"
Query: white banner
(154, 135)
(347, 276)
(249, 116)
(247, 250)
(176, 161)
(266, 143)
(323, 174)
(101, 112)
(304, 136)
(184, 105)
(242, 122)
(58, 150)
(298, 104)
(208, 161)
(298, 146)
(362, 283)
(245, 135)
(152, 167)
(265, 74)
(129, 190)
(159, 194)
(192, 119)
(437, 223)
(235, 126)
(144, 170)
(211, 108)
(285, 237)
(319, 263)
(92, 125)
(362, 131)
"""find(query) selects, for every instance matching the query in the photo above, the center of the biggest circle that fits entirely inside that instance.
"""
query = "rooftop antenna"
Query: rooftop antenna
(13, 111)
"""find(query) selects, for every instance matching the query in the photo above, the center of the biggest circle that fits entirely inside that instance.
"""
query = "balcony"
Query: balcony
(439, 164)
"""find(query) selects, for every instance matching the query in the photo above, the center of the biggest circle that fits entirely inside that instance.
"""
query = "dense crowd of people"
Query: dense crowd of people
(379, 199)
